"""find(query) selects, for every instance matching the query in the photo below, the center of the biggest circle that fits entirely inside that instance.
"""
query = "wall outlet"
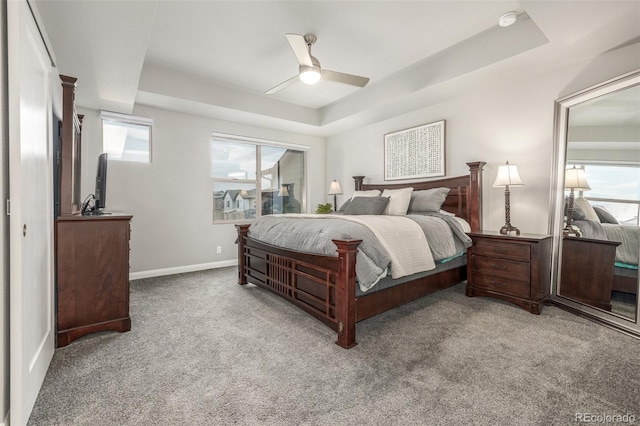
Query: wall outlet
(218, 249)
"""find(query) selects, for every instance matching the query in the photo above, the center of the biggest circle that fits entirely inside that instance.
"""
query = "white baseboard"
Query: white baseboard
(181, 269)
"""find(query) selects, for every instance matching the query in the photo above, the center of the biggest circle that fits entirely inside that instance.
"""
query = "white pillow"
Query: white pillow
(589, 212)
(399, 200)
(369, 193)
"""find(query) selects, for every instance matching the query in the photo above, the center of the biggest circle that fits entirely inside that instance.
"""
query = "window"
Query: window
(616, 187)
(126, 138)
(253, 177)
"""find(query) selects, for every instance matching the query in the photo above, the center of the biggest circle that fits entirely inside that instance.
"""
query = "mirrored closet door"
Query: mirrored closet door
(596, 221)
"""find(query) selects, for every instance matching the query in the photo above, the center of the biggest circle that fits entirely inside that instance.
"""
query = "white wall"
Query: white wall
(4, 222)
(171, 198)
(512, 122)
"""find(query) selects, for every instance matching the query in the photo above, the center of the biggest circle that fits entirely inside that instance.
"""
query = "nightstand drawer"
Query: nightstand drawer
(501, 267)
(511, 286)
(502, 249)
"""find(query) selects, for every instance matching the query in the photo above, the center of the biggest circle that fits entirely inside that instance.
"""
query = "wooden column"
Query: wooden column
(346, 292)
(358, 182)
(243, 230)
(475, 206)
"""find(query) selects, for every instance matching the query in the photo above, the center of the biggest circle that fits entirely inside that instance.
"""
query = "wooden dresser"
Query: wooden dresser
(513, 268)
(586, 274)
(92, 258)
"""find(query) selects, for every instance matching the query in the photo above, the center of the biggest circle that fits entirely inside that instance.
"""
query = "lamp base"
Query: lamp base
(571, 231)
(509, 228)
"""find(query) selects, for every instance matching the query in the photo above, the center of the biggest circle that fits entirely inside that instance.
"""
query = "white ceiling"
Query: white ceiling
(216, 58)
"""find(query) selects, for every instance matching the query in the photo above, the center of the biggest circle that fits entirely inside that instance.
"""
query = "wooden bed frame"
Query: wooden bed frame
(625, 284)
(325, 286)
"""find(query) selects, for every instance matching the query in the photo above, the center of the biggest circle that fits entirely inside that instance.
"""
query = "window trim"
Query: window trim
(128, 119)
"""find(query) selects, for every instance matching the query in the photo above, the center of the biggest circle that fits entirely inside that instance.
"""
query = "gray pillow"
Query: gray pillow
(604, 215)
(367, 205)
(428, 200)
(344, 205)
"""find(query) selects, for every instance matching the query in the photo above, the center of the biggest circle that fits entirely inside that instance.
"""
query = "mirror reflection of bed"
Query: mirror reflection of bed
(601, 244)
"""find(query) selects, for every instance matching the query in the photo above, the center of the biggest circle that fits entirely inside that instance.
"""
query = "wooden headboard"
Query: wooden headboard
(464, 199)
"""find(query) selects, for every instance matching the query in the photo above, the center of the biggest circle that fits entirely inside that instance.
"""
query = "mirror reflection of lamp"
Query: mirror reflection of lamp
(283, 192)
(508, 176)
(574, 180)
(335, 189)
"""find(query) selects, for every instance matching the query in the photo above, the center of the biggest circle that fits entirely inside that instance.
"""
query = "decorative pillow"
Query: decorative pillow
(344, 205)
(368, 193)
(367, 205)
(399, 200)
(604, 215)
(428, 200)
(585, 205)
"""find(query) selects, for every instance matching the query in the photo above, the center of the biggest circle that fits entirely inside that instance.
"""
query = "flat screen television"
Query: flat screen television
(101, 184)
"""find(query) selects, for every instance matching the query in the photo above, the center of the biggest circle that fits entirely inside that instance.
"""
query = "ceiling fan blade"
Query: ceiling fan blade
(282, 85)
(299, 47)
(340, 77)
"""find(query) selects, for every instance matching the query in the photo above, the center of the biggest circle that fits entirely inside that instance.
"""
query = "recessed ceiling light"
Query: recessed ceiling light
(508, 19)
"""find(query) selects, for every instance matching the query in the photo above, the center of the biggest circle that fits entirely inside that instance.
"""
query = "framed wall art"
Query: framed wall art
(417, 152)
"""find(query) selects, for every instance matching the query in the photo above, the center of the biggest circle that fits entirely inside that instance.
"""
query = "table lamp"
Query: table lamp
(335, 189)
(507, 176)
(574, 180)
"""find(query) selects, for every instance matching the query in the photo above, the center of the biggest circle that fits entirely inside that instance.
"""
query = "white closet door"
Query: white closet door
(31, 221)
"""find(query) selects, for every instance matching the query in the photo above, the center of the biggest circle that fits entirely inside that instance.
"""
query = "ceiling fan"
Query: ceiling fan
(309, 71)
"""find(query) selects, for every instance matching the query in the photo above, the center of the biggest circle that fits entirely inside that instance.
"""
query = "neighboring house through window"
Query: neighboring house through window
(253, 177)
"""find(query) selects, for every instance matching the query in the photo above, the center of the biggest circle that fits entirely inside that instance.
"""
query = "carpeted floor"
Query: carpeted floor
(205, 351)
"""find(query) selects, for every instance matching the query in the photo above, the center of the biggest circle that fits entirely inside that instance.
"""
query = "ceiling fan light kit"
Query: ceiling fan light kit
(309, 75)
(309, 71)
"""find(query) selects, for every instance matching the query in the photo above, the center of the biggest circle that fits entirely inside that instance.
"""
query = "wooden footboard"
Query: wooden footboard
(324, 286)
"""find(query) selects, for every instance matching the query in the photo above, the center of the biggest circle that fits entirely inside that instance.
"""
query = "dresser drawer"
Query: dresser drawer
(501, 267)
(502, 249)
(503, 285)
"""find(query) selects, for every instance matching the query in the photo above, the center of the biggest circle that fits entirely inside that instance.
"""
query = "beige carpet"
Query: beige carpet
(205, 351)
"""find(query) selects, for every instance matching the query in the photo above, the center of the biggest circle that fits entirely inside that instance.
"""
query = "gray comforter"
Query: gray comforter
(313, 235)
(628, 252)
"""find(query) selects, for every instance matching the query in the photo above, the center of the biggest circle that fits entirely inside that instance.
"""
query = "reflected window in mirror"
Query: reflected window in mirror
(615, 189)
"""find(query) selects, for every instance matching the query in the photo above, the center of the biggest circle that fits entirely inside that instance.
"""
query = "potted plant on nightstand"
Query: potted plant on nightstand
(324, 208)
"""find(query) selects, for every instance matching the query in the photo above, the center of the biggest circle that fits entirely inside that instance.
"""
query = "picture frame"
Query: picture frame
(417, 152)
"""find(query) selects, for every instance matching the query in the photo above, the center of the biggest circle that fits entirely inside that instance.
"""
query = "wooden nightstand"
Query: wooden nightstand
(514, 268)
(587, 271)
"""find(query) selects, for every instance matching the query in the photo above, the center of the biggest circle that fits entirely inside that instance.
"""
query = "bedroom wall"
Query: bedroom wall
(4, 222)
(171, 198)
(511, 122)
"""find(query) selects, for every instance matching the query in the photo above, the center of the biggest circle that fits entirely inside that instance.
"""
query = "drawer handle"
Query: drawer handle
(498, 284)
(501, 250)
(499, 267)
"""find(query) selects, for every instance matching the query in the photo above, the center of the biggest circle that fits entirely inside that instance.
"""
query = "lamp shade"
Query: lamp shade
(284, 191)
(507, 176)
(335, 188)
(576, 179)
